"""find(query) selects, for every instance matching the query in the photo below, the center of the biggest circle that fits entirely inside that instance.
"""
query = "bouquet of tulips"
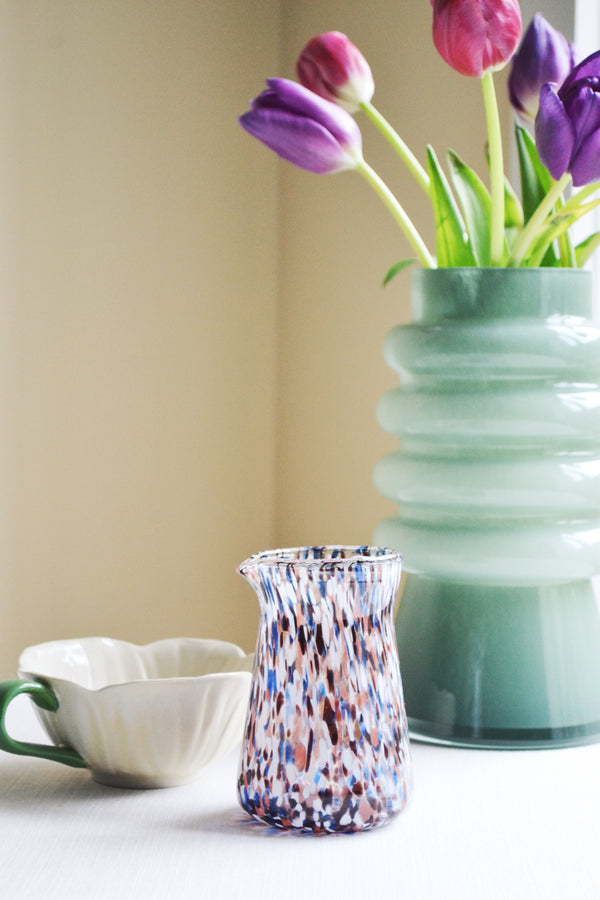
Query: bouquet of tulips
(557, 103)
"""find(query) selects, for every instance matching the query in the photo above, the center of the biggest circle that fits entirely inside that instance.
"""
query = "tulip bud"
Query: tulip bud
(332, 67)
(476, 36)
(567, 126)
(544, 56)
(303, 128)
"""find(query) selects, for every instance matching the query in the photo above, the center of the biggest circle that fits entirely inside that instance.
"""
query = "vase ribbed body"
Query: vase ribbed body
(326, 741)
(497, 479)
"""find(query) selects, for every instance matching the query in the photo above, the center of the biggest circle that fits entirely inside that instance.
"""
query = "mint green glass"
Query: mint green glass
(498, 484)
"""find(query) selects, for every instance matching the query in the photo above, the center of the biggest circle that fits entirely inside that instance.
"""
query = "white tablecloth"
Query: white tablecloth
(483, 825)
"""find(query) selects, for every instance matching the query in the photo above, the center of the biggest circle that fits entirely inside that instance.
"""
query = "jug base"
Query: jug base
(319, 825)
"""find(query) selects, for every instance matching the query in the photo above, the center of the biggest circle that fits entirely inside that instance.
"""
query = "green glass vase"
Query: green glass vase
(497, 482)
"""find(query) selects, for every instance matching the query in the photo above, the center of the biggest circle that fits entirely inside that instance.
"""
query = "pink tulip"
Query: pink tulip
(476, 36)
(332, 67)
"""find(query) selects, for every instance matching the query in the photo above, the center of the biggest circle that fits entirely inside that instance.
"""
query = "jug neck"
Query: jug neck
(357, 580)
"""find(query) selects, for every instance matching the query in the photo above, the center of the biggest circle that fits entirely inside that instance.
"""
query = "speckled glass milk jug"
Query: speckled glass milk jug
(326, 744)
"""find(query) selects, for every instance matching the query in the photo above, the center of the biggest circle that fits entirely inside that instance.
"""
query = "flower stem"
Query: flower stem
(537, 220)
(407, 156)
(577, 198)
(565, 244)
(411, 233)
(496, 170)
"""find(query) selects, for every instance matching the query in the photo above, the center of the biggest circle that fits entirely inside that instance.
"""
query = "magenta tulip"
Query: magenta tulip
(476, 36)
(303, 128)
(332, 67)
(544, 56)
(567, 126)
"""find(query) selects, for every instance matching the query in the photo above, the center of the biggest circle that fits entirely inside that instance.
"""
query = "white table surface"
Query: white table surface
(483, 825)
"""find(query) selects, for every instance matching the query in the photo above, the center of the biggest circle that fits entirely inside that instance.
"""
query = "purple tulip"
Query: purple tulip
(544, 56)
(303, 128)
(567, 126)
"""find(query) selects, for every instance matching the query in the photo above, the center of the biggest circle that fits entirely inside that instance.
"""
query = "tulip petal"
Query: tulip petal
(585, 163)
(303, 128)
(298, 139)
(586, 166)
(554, 133)
(332, 67)
(568, 124)
(583, 108)
(325, 54)
(300, 100)
(544, 56)
(588, 68)
(475, 38)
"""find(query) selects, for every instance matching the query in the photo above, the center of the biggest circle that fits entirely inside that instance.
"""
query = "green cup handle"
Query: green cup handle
(43, 697)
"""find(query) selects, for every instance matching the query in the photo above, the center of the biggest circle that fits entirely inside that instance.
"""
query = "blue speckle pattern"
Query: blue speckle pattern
(326, 742)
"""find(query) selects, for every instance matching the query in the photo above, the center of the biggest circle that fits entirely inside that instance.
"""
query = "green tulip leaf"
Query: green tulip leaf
(586, 248)
(536, 181)
(452, 244)
(476, 206)
(396, 269)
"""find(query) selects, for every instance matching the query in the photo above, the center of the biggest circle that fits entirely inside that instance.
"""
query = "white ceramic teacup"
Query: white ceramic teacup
(136, 716)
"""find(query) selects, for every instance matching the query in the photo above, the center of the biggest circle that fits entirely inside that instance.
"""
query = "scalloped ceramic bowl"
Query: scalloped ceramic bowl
(140, 716)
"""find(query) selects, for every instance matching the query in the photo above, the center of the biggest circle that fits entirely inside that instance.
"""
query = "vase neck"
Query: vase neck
(498, 293)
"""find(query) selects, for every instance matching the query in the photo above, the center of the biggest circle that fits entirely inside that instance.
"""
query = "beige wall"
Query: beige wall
(190, 334)
(139, 248)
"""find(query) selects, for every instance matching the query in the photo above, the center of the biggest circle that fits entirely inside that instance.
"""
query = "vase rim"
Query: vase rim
(518, 271)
